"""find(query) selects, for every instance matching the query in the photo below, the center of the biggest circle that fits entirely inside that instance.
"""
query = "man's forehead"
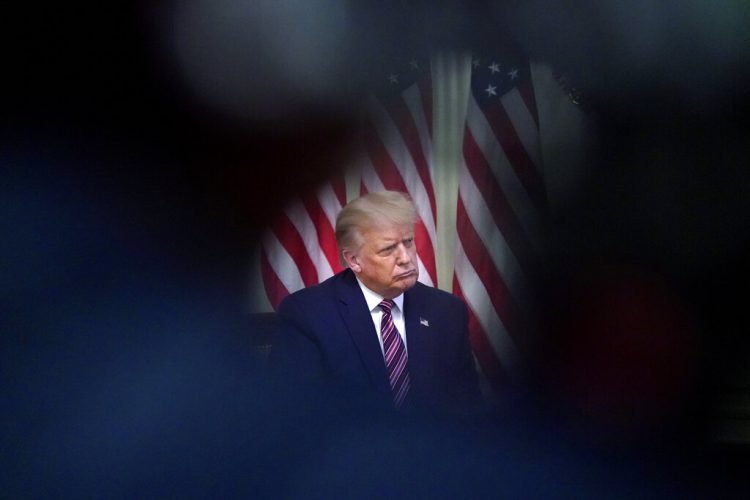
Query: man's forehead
(388, 231)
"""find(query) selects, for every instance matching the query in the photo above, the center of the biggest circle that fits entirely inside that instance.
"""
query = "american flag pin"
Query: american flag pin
(424, 322)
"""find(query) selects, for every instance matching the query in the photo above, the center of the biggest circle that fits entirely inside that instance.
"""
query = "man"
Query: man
(372, 330)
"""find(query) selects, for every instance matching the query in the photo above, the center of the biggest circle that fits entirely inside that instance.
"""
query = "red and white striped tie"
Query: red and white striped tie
(395, 355)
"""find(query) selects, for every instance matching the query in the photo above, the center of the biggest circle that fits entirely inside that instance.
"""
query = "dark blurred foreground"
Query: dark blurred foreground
(130, 208)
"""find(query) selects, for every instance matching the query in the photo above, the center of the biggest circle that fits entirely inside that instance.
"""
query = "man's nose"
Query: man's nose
(404, 257)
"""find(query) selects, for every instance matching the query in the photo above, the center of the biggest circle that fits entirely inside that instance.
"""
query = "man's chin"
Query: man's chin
(408, 281)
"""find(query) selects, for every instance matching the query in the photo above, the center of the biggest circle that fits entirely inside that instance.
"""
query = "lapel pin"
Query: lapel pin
(424, 322)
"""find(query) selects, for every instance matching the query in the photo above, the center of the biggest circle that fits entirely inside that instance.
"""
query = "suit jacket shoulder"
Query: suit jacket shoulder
(313, 305)
(434, 297)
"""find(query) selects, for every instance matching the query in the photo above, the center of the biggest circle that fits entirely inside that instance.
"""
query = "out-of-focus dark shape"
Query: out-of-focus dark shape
(266, 60)
(625, 353)
(694, 51)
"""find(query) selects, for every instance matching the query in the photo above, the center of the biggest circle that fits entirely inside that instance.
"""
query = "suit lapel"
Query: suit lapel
(359, 323)
(418, 334)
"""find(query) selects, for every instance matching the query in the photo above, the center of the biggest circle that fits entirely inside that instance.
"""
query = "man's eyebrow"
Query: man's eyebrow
(389, 245)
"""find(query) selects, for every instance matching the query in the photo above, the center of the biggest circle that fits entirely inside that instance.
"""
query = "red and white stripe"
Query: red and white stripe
(398, 146)
(299, 249)
(501, 202)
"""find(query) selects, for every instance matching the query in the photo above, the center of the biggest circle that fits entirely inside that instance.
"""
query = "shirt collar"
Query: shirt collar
(374, 299)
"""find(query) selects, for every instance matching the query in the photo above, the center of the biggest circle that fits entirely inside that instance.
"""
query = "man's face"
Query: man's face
(387, 260)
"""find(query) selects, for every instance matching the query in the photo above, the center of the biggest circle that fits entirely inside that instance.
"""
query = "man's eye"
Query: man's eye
(408, 242)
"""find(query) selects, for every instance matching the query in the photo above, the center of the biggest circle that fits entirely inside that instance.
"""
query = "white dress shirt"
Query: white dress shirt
(397, 312)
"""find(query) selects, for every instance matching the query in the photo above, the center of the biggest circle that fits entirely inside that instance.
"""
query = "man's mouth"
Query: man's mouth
(407, 274)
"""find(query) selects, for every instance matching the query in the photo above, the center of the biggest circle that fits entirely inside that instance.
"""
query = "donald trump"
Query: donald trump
(373, 330)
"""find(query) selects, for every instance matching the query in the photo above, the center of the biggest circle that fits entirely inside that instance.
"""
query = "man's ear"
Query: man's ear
(352, 261)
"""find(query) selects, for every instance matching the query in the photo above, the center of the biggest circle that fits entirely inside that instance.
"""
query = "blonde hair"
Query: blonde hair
(372, 209)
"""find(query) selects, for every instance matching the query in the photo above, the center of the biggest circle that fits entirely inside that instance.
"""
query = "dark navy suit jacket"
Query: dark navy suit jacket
(327, 334)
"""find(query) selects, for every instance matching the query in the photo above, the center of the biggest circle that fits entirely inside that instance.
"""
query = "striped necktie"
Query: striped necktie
(395, 355)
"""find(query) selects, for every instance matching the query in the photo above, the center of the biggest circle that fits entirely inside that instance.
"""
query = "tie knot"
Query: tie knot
(386, 306)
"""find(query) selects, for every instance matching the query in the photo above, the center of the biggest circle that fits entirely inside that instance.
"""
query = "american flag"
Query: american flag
(501, 205)
(299, 248)
(397, 140)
